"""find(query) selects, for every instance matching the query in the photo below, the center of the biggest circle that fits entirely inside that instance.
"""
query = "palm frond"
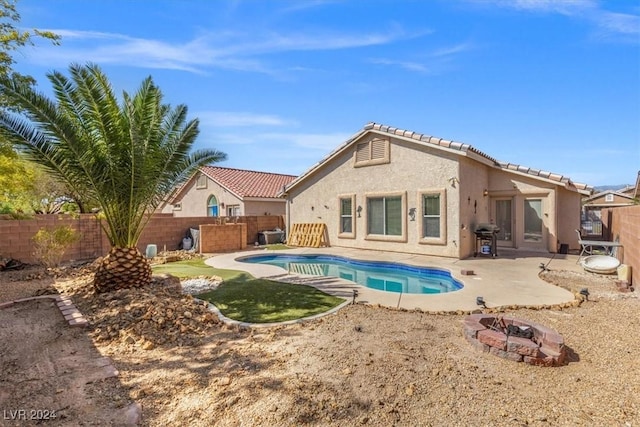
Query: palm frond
(127, 156)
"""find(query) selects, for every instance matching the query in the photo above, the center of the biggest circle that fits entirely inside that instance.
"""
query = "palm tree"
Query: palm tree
(124, 157)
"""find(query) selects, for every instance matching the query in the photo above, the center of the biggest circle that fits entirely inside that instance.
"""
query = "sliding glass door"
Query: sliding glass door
(503, 215)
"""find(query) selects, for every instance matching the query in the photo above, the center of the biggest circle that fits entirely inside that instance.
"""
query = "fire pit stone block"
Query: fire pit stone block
(523, 346)
(546, 348)
(506, 354)
(493, 339)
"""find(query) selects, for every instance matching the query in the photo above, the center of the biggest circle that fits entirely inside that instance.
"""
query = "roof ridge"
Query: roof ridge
(460, 146)
(247, 170)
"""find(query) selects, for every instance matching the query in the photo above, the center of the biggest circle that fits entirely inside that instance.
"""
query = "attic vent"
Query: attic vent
(373, 152)
(378, 149)
(362, 152)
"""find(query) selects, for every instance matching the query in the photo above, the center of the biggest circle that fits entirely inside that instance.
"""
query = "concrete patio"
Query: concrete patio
(510, 279)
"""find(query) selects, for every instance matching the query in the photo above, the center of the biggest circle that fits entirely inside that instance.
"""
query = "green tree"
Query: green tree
(16, 181)
(12, 39)
(127, 156)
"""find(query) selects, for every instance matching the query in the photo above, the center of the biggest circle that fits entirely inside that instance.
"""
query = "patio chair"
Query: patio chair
(588, 247)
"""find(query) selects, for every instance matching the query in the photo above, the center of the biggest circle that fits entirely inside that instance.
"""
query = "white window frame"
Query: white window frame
(177, 206)
(233, 210)
(403, 217)
(342, 234)
(442, 239)
(608, 198)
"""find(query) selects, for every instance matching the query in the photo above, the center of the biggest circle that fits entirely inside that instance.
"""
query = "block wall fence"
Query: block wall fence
(163, 230)
(624, 223)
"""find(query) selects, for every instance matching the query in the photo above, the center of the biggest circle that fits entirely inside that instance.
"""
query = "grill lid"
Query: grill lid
(487, 228)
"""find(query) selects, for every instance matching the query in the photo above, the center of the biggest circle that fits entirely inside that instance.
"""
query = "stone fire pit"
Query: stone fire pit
(489, 333)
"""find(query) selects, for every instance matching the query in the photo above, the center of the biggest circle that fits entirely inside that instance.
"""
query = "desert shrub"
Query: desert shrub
(51, 244)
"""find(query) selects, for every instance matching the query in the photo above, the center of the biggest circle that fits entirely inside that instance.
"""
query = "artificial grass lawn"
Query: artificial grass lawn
(247, 299)
(266, 301)
(196, 267)
(278, 247)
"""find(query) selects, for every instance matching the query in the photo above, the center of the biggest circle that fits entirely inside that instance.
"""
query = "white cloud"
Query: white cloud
(239, 119)
(407, 65)
(452, 50)
(608, 23)
(618, 23)
(309, 145)
(225, 50)
(566, 7)
(437, 59)
(315, 141)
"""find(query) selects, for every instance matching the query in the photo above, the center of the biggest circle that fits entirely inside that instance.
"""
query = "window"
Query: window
(233, 210)
(430, 215)
(372, 152)
(608, 198)
(386, 217)
(433, 220)
(212, 206)
(347, 226)
(533, 220)
(177, 206)
(201, 181)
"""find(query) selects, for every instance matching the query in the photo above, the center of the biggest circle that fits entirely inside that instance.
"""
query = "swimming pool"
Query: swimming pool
(383, 276)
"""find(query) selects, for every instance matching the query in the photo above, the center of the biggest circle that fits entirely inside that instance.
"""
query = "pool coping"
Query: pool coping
(508, 281)
(366, 263)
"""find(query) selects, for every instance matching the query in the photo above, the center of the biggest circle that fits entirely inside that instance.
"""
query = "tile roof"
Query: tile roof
(605, 192)
(452, 145)
(246, 183)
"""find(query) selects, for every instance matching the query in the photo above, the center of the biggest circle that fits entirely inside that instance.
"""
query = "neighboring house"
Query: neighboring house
(218, 191)
(395, 190)
(592, 206)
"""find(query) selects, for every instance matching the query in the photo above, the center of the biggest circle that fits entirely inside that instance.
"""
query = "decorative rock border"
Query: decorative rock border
(70, 312)
(545, 349)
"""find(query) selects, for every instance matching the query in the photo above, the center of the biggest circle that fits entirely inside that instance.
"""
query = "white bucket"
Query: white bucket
(152, 251)
(186, 243)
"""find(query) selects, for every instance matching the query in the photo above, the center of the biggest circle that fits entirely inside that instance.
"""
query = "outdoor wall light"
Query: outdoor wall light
(412, 214)
(485, 193)
(222, 205)
(359, 210)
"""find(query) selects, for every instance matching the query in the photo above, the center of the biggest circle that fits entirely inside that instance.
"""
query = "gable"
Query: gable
(368, 153)
(608, 198)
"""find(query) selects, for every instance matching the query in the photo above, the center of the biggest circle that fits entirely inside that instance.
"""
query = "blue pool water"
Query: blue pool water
(383, 276)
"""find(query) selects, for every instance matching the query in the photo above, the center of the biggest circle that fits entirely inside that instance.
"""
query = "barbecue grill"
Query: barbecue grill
(486, 239)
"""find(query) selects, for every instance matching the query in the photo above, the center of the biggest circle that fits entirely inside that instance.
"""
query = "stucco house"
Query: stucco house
(395, 190)
(605, 199)
(220, 191)
(592, 207)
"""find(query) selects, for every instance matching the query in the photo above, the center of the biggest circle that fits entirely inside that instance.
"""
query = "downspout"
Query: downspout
(287, 211)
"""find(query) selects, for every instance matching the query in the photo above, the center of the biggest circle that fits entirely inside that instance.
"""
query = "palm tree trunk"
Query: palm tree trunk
(122, 268)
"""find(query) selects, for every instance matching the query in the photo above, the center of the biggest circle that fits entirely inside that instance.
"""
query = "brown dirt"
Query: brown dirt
(363, 366)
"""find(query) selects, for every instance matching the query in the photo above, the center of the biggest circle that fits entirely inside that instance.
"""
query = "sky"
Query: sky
(277, 85)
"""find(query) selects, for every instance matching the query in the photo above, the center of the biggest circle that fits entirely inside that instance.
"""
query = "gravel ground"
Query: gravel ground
(378, 367)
